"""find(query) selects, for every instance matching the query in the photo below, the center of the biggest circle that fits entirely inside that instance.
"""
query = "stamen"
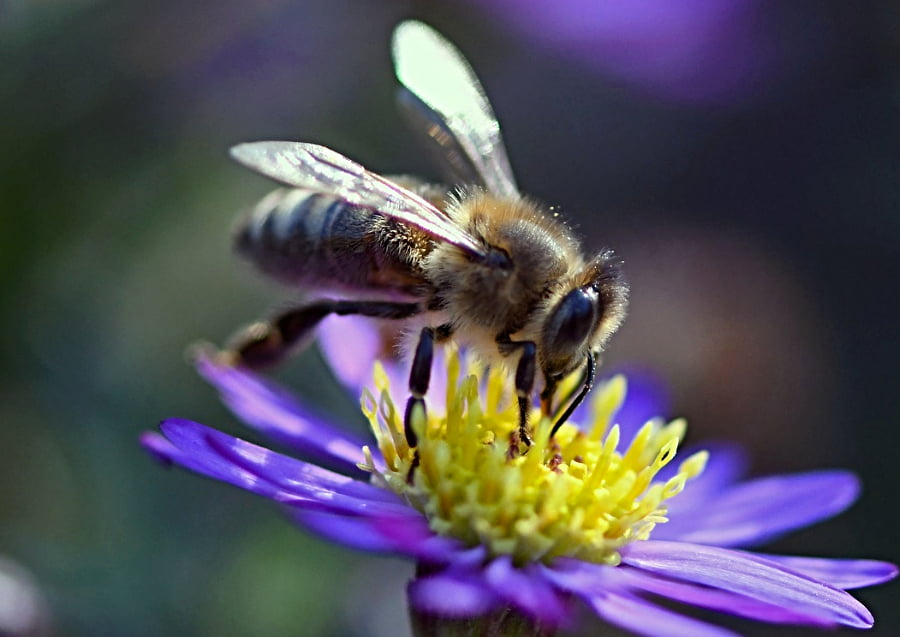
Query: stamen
(573, 495)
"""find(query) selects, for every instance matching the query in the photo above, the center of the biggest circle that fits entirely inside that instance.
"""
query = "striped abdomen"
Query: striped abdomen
(313, 240)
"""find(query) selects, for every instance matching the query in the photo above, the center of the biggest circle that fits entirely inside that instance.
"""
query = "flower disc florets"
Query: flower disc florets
(576, 495)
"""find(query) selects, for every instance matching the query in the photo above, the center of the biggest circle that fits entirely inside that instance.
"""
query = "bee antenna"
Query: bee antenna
(586, 383)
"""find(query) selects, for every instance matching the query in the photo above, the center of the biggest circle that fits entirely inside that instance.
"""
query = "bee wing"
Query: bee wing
(445, 101)
(328, 172)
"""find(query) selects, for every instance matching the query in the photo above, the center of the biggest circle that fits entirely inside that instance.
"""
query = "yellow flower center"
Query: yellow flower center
(576, 495)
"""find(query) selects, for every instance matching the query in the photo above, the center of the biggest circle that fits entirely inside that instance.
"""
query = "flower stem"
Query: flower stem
(506, 622)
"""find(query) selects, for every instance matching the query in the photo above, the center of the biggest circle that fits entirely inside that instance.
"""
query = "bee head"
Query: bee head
(585, 317)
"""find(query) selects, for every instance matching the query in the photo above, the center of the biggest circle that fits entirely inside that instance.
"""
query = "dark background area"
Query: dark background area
(744, 161)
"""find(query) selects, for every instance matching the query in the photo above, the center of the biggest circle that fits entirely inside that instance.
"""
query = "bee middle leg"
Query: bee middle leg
(419, 379)
(420, 375)
(266, 343)
(524, 383)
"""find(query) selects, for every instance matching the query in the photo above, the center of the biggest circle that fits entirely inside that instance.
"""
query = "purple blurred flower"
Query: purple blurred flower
(691, 50)
(534, 566)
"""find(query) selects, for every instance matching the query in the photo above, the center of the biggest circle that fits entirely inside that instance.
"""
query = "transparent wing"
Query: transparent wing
(445, 101)
(328, 172)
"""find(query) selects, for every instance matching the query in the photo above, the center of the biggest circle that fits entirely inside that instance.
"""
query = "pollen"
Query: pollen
(585, 493)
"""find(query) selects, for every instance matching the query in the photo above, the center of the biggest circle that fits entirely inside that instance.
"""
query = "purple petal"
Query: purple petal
(452, 595)
(845, 574)
(349, 345)
(207, 464)
(158, 447)
(367, 533)
(580, 578)
(586, 579)
(467, 559)
(527, 590)
(407, 536)
(418, 540)
(747, 575)
(643, 618)
(726, 465)
(291, 473)
(714, 599)
(271, 410)
(264, 472)
(361, 533)
(760, 510)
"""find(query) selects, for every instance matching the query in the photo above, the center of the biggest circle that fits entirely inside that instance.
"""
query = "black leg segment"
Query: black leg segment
(587, 381)
(547, 395)
(419, 379)
(263, 344)
(525, 372)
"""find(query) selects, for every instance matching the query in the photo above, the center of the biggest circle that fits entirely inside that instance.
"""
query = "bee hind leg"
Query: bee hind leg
(265, 343)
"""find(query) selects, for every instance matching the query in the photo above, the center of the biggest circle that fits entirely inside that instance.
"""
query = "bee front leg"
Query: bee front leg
(547, 395)
(524, 382)
(266, 343)
(587, 381)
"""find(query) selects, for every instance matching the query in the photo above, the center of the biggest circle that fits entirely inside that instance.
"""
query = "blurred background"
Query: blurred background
(742, 157)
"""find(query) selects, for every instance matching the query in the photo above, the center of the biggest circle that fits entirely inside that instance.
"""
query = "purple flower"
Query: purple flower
(580, 518)
(691, 50)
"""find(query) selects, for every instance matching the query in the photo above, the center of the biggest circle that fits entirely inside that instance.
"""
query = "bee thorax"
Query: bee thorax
(527, 256)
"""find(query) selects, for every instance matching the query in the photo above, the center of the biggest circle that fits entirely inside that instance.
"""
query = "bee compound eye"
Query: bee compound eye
(498, 258)
(573, 320)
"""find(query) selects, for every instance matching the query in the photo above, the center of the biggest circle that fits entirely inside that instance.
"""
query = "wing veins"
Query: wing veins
(451, 109)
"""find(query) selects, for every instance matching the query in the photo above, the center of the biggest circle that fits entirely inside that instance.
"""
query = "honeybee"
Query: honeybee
(482, 264)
